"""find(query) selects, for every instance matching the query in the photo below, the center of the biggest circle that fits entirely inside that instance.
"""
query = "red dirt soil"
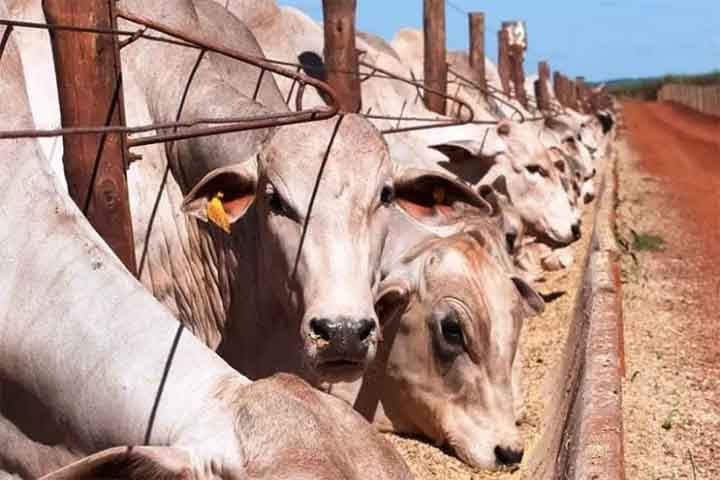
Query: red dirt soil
(681, 148)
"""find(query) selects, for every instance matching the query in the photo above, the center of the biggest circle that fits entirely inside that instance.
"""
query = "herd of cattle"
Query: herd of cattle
(401, 294)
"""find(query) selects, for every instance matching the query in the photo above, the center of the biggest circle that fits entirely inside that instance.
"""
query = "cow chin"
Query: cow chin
(560, 238)
(477, 445)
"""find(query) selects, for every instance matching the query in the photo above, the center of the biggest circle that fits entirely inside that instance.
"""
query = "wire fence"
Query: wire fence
(301, 76)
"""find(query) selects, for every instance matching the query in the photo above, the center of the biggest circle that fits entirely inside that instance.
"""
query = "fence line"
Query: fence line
(704, 99)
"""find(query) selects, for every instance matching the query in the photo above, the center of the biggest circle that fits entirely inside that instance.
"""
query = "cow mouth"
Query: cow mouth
(341, 369)
(340, 364)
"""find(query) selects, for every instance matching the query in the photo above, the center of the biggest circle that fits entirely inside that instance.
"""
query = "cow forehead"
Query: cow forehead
(358, 154)
(455, 267)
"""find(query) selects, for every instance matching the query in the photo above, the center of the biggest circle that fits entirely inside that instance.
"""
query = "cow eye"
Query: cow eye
(275, 201)
(536, 169)
(451, 329)
(387, 195)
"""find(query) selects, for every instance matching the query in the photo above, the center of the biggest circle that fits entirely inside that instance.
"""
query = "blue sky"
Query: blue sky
(601, 39)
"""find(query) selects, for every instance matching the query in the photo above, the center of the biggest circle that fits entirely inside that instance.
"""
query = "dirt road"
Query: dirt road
(669, 221)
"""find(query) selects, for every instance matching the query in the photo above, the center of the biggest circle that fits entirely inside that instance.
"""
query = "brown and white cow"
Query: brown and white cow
(447, 368)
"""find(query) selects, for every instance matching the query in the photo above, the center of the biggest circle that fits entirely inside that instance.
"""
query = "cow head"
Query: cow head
(452, 318)
(533, 184)
(320, 268)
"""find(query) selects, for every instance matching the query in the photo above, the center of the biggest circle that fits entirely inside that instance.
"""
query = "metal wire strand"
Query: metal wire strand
(187, 40)
(318, 177)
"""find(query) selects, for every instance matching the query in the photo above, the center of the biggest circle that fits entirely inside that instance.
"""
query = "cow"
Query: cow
(534, 184)
(98, 379)
(447, 368)
(318, 297)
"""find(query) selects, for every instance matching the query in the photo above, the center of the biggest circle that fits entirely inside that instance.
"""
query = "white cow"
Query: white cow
(320, 303)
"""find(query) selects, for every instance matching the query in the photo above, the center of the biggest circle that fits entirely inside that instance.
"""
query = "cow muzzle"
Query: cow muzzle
(343, 346)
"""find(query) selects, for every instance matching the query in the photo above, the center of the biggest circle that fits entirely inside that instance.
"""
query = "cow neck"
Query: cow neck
(258, 337)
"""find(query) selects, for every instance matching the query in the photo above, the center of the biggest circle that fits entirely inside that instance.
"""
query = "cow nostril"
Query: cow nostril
(576, 230)
(365, 328)
(508, 456)
(322, 328)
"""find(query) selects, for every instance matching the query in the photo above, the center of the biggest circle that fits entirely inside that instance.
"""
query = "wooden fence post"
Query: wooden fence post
(477, 46)
(435, 60)
(542, 94)
(581, 94)
(90, 90)
(572, 94)
(517, 44)
(504, 60)
(557, 87)
(341, 57)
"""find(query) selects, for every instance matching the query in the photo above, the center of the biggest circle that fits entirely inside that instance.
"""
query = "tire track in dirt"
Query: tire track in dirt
(669, 176)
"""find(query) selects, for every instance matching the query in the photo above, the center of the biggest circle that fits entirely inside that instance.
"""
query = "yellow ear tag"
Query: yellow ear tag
(438, 194)
(216, 213)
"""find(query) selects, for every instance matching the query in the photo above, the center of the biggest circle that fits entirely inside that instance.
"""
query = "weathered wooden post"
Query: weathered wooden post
(582, 94)
(572, 94)
(341, 57)
(542, 94)
(90, 90)
(517, 44)
(435, 60)
(557, 87)
(504, 60)
(477, 46)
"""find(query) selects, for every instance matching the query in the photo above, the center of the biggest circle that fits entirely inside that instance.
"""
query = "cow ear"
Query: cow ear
(500, 185)
(224, 195)
(534, 304)
(432, 197)
(392, 299)
(161, 463)
(494, 192)
(489, 194)
(459, 150)
(484, 150)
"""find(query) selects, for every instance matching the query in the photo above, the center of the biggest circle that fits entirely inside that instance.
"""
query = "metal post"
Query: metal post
(542, 94)
(90, 90)
(341, 58)
(435, 68)
(477, 46)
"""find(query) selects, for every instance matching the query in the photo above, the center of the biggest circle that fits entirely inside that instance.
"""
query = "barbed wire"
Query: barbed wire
(457, 8)
(182, 130)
